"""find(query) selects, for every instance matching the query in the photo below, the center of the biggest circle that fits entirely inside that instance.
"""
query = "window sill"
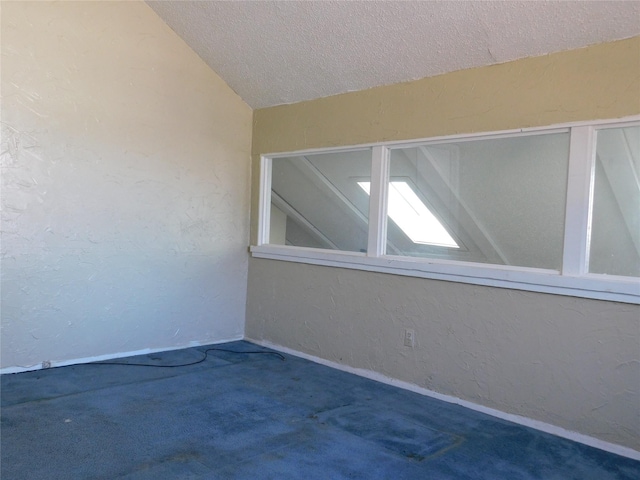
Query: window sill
(600, 287)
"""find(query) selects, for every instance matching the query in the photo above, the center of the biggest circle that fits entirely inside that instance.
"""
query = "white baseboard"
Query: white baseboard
(111, 356)
(520, 420)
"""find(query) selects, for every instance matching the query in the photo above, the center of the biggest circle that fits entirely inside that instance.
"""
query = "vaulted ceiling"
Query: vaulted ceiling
(277, 52)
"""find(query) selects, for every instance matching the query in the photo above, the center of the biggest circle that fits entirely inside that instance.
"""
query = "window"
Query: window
(316, 202)
(615, 219)
(553, 210)
(485, 192)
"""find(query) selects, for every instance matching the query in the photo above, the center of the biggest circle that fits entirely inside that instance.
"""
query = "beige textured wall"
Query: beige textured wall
(567, 361)
(125, 186)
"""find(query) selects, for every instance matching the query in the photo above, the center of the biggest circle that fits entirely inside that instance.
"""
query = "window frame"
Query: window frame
(573, 279)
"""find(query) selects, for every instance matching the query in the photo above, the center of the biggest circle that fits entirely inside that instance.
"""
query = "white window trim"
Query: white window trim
(577, 218)
(572, 280)
(378, 201)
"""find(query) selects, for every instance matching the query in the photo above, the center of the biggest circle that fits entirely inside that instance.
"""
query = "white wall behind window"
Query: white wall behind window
(125, 195)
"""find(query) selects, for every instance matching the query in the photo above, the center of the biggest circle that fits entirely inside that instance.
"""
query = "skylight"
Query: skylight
(413, 217)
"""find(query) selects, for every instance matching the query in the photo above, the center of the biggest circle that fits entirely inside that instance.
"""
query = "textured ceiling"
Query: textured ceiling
(275, 52)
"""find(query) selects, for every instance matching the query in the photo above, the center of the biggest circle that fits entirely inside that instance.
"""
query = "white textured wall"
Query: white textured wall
(125, 186)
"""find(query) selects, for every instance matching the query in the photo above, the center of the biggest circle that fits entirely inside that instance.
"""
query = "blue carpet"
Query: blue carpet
(255, 416)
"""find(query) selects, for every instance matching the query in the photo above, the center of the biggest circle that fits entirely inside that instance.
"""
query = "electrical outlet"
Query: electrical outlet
(409, 338)
(46, 364)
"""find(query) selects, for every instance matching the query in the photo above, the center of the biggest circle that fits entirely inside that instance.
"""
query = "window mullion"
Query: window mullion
(378, 202)
(264, 202)
(575, 259)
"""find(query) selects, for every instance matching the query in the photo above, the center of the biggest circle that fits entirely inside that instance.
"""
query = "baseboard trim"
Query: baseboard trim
(111, 356)
(520, 420)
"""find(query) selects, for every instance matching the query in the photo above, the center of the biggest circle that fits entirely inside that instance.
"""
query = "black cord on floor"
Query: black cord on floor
(206, 354)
